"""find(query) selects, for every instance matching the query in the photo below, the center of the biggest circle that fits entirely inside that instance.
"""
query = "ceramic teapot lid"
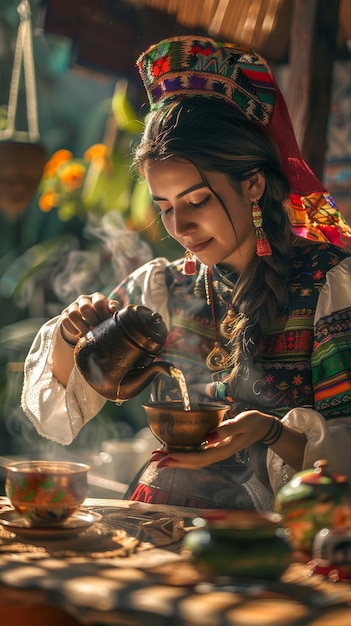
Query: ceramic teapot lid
(311, 483)
(318, 475)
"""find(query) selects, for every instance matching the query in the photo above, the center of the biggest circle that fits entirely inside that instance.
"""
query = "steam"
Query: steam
(120, 251)
(113, 252)
(28, 444)
(80, 275)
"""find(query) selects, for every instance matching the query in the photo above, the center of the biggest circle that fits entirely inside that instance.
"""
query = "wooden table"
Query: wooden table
(127, 570)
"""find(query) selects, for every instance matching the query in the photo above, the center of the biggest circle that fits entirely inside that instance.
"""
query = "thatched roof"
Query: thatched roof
(262, 24)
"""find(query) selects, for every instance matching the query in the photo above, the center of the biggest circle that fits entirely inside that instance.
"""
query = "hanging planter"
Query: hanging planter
(22, 157)
(21, 167)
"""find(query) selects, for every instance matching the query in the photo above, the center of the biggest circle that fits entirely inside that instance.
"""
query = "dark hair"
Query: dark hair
(213, 136)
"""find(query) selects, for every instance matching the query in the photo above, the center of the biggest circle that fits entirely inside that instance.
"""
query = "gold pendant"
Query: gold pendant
(217, 359)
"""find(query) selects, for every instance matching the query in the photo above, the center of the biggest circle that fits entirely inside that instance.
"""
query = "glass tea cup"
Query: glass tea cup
(46, 492)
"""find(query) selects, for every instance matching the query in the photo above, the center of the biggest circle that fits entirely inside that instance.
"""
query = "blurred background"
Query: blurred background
(72, 218)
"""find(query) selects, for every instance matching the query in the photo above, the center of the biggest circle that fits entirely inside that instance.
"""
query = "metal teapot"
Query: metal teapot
(117, 356)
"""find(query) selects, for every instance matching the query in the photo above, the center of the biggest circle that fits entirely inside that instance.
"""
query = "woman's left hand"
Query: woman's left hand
(230, 437)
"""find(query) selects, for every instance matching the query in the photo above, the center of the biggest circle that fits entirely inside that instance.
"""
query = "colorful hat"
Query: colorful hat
(182, 67)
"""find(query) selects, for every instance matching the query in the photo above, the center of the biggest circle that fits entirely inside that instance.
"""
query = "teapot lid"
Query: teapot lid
(144, 327)
(308, 483)
(318, 475)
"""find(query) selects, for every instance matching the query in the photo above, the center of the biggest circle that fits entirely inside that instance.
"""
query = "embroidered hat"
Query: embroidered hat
(186, 66)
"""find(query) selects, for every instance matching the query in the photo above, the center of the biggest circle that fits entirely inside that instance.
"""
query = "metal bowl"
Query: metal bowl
(180, 429)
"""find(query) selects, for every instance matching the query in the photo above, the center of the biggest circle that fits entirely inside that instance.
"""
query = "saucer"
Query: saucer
(80, 520)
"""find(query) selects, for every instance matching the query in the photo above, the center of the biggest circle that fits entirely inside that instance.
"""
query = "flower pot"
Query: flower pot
(21, 168)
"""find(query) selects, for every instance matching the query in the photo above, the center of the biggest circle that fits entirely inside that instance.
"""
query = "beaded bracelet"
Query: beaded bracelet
(274, 432)
(67, 341)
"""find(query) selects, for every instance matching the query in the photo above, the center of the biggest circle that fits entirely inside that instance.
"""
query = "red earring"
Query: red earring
(189, 264)
(263, 247)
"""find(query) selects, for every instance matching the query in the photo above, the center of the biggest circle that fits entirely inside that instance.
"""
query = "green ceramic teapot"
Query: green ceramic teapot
(242, 544)
(313, 499)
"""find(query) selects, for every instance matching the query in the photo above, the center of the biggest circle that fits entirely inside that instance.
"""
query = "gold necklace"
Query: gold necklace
(217, 359)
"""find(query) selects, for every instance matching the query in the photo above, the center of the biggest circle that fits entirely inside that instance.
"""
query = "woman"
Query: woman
(262, 323)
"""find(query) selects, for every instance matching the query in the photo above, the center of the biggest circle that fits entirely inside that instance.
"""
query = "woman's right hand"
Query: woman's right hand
(83, 314)
(77, 318)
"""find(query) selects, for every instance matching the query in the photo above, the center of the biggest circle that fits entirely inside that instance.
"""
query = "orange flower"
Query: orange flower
(97, 151)
(49, 169)
(72, 175)
(47, 201)
(59, 157)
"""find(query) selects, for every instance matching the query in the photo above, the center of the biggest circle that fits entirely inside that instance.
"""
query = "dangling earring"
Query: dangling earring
(189, 264)
(263, 247)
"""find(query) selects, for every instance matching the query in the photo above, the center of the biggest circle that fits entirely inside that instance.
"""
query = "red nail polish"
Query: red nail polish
(212, 437)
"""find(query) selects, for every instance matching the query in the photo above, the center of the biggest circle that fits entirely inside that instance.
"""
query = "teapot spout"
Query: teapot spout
(137, 379)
